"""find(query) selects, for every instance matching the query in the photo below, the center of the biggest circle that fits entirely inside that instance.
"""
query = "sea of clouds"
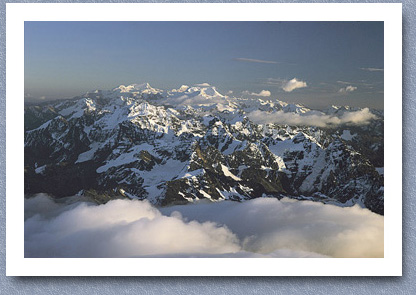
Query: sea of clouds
(361, 117)
(264, 227)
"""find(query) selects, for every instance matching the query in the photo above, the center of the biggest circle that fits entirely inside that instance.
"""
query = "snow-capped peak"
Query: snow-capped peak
(141, 89)
(133, 88)
(333, 109)
(295, 108)
(193, 143)
(205, 91)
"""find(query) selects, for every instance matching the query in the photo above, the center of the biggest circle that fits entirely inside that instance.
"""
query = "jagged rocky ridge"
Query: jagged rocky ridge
(191, 143)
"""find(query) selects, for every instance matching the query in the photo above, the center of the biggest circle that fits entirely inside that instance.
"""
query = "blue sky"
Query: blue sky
(314, 63)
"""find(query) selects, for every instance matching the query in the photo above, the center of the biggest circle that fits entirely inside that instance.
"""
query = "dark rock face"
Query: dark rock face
(125, 146)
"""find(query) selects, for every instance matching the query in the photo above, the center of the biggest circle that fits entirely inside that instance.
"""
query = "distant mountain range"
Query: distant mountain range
(193, 143)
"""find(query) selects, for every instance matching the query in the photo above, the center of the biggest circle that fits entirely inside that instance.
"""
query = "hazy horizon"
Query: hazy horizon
(313, 63)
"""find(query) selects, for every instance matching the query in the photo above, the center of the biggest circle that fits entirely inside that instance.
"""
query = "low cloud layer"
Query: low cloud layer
(255, 228)
(263, 93)
(293, 84)
(266, 225)
(121, 228)
(361, 117)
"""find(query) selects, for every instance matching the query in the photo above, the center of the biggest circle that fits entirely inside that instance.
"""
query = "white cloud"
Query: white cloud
(293, 84)
(361, 117)
(270, 228)
(372, 69)
(270, 225)
(203, 85)
(263, 93)
(122, 228)
(347, 89)
(255, 60)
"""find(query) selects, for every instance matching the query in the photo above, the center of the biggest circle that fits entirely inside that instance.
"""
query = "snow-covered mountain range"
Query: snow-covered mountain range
(193, 143)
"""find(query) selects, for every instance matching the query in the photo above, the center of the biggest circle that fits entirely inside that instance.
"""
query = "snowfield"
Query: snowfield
(194, 143)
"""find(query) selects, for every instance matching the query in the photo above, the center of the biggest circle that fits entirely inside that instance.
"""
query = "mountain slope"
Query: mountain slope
(192, 143)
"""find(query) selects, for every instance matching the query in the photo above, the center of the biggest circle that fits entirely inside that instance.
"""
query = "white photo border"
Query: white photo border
(18, 13)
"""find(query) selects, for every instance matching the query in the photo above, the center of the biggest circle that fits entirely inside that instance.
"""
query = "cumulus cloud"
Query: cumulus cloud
(263, 93)
(255, 60)
(361, 117)
(256, 228)
(372, 69)
(203, 85)
(347, 89)
(267, 225)
(293, 84)
(122, 228)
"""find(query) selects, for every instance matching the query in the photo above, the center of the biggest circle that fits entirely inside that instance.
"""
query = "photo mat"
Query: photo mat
(230, 173)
